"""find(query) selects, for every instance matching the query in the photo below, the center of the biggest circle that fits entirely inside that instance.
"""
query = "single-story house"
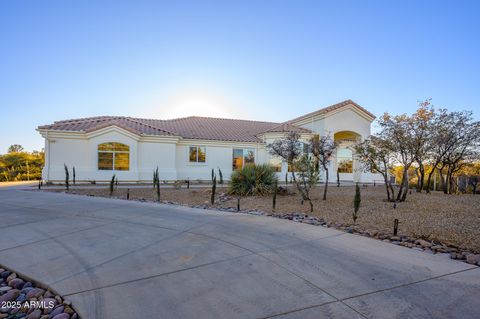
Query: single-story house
(189, 147)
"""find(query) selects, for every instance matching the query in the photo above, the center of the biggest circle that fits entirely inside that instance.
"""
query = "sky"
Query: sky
(262, 60)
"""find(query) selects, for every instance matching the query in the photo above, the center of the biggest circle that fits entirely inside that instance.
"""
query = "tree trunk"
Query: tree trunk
(326, 184)
(311, 205)
(392, 191)
(405, 188)
(402, 192)
(420, 177)
(385, 178)
(451, 181)
(443, 182)
(429, 179)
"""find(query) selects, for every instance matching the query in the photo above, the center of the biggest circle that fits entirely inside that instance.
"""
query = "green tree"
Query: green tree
(15, 148)
(17, 166)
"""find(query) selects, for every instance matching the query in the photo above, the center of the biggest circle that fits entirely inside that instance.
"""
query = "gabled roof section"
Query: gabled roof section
(287, 127)
(91, 124)
(332, 108)
(193, 127)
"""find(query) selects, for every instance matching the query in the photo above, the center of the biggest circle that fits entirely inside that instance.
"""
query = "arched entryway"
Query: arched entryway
(344, 162)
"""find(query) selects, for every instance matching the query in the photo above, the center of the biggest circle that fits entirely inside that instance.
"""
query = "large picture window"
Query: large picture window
(242, 157)
(196, 154)
(113, 156)
(345, 160)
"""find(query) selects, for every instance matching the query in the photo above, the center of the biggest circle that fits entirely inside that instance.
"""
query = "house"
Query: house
(188, 148)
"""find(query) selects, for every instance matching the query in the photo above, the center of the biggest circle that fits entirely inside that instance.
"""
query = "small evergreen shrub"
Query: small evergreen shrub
(67, 177)
(220, 174)
(253, 180)
(112, 184)
(214, 188)
(356, 204)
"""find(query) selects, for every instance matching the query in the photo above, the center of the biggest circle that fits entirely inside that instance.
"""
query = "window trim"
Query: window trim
(189, 162)
(243, 149)
(113, 152)
(340, 159)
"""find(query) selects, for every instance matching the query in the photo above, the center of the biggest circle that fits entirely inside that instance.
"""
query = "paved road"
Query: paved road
(119, 259)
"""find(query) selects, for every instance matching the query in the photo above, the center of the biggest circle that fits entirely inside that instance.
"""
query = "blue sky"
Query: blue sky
(265, 60)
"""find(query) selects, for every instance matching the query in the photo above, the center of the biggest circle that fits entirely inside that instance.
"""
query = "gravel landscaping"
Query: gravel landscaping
(20, 298)
(434, 222)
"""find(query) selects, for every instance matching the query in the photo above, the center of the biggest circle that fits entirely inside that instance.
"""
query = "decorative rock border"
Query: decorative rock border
(20, 298)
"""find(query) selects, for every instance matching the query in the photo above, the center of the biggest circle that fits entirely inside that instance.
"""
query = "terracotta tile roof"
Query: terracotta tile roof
(330, 109)
(91, 124)
(192, 127)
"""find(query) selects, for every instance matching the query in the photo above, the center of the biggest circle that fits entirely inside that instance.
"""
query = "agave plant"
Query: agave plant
(253, 180)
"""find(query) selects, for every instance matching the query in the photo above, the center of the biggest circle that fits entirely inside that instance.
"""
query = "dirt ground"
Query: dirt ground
(450, 219)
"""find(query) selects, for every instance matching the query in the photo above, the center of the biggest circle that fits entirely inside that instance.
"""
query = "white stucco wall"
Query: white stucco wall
(157, 154)
(171, 154)
(346, 119)
(218, 155)
(72, 152)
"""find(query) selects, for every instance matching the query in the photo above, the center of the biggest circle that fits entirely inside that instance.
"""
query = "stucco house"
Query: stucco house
(188, 148)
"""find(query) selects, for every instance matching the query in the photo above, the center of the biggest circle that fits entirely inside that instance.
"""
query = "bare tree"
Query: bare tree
(457, 143)
(398, 131)
(376, 156)
(322, 148)
(288, 148)
(422, 129)
(308, 174)
(447, 128)
(302, 167)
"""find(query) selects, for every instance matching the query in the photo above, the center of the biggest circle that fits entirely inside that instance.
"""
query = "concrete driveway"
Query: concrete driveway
(119, 259)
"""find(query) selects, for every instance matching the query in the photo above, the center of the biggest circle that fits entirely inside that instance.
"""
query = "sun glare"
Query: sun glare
(199, 104)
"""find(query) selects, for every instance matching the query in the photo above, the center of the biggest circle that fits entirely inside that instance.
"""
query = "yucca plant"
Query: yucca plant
(253, 180)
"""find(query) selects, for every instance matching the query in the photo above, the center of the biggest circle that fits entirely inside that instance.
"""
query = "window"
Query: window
(306, 148)
(242, 157)
(249, 156)
(113, 157)
(197, 154)
(276, 163)
(345, 160)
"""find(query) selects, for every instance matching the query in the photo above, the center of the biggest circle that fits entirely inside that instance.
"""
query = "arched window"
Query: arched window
(345, 160)
(113, 156)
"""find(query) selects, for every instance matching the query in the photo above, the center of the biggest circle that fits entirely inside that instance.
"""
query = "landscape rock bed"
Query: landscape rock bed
(20, 298)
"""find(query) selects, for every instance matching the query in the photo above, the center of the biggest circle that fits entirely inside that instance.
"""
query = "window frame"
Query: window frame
(197, 153)
(340, 159)
(113, 153)
(244, 153)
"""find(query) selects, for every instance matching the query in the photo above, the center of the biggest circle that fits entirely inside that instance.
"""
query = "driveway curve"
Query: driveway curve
(124, 259)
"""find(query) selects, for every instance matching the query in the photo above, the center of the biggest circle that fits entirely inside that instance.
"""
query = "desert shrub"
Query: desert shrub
(253, 180)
